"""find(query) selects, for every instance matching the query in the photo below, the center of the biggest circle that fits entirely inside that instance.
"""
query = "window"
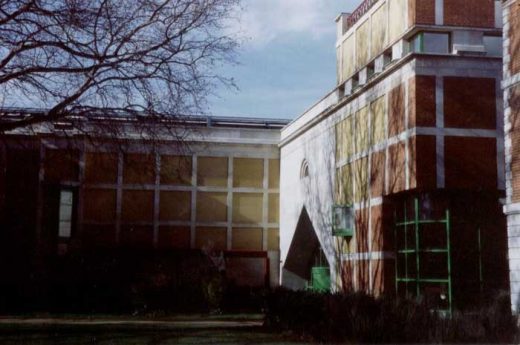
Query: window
(493, 45)
(431, 42)
(343, 221)
(304, 170)
(65, 216)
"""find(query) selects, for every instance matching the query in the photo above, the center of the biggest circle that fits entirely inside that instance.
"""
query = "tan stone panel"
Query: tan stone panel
(361, 182)
(397, 15)
(139, 169)
(99, 205)
(100, 167)
(176, 170)
(344, 192)
(211, 207)
(274, 208)
(361, 130)
(362, 44)
(61, 165)
(348, 57)
(274, 173)
(248, 172)
(132, 236)
(95, 236)
(273, 239)
(178, 237)
(514, 38)
(212, 171)
(247, 207)
(514, 118)
(211, 238)
(344, 145)
(379, 31)
(339, 61)
(247, 239)
(175, 206)
(137, 206)
(378, 113)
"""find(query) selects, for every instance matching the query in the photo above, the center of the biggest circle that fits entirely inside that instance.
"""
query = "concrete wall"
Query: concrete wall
(401, 132)
(511, 18)
(218, 191)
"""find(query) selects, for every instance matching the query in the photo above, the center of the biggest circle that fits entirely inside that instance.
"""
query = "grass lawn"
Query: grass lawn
(46, 329)
(135, 337)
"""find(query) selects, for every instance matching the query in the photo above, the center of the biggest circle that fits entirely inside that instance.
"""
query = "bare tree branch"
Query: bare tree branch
(105, 54)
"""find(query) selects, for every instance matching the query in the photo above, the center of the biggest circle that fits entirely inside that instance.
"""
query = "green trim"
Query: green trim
(407, 249)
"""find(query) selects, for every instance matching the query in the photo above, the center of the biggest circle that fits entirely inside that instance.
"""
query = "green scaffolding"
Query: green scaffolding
(412, 277)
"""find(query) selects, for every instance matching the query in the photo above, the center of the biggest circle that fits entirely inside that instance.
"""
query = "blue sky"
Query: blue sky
(287, 60)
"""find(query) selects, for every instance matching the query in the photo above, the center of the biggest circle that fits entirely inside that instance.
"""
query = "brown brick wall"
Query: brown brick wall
(396, 111)
(377, 174)
(383, 274)
(376, 222)
(470, 163)
(421, 12)
(469, 102)
(423, 162)
(514, 103)
(396, 168)
(473, 13)
(421, 101)
(514, 36)
(362, 230)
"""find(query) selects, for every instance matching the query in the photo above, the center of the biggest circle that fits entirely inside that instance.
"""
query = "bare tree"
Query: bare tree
(147, 57)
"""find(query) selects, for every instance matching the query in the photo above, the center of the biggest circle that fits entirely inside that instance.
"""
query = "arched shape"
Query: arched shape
(304, 169)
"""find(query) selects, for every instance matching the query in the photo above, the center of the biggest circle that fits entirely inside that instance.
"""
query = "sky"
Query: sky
(287, 59)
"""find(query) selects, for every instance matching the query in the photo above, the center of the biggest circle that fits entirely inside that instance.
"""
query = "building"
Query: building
(213, 186)
(512, 144)
(393, 183)
(409, 146)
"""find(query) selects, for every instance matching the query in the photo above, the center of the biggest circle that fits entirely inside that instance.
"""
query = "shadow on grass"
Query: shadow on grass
(184, 337)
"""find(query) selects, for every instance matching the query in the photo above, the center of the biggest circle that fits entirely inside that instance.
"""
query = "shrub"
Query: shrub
(357, 317)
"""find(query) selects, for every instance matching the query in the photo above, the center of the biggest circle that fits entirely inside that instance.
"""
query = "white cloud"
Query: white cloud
(263, 21)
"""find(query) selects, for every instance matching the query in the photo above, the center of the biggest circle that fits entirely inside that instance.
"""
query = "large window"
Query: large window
(65, 216)
(493, 45)
(431, 42)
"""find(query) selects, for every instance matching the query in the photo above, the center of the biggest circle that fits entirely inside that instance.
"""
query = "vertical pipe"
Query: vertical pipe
(417, 262)
(396, 249)
(406, 248)
(448, 242)
(481, 275)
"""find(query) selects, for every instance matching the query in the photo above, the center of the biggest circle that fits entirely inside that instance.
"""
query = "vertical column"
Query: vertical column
(119, 194)
(407, 136)
(230, 204)
(39, 205)
(500, 134)
(156, 199)
(193, 223)
(439, 123)
(81, 189)
(265, 205)
(439, 12)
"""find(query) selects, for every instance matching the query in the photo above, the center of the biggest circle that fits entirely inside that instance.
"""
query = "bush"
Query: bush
(358, 317)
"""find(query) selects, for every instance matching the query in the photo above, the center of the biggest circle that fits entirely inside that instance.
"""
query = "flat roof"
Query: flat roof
(11, 114)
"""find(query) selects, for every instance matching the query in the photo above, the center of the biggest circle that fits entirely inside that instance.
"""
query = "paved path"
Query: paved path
(134, 324)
